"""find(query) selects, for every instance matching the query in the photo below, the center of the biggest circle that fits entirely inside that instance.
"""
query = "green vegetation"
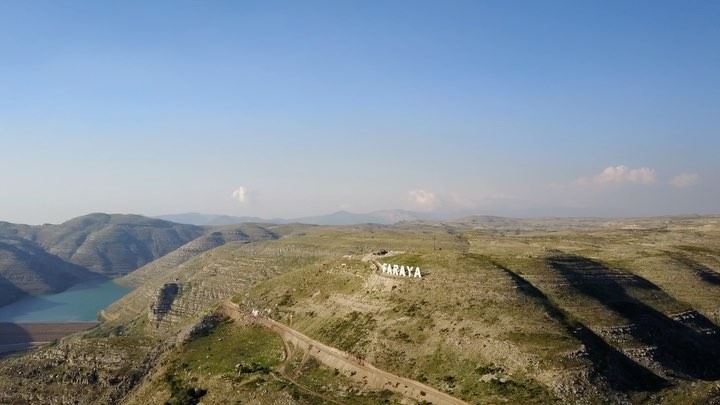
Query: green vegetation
(181, 394)
(232, 350)
(320, 383)
(237, 361)
(350, 333)
(508, 311)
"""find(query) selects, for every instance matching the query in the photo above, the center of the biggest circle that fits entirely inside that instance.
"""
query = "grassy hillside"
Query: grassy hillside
(579, 311)
(243, 363)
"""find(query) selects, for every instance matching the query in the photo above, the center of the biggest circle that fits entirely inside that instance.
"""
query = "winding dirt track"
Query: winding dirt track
(348, 364)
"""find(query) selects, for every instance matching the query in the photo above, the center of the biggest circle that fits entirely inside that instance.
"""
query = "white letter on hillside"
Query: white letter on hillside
(417, 272)
(395, 270)
(402, 271)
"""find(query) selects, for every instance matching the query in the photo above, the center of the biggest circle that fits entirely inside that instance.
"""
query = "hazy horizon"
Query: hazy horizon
(430, 216)
(603, 109)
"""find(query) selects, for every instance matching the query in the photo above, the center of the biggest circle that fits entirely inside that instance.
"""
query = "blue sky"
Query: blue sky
(607, 108)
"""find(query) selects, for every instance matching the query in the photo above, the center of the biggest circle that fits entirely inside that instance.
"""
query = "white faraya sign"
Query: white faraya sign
(400, 270)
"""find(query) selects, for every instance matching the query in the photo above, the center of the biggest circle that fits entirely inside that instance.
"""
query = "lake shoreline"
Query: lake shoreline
(21, 336)
(80, 303)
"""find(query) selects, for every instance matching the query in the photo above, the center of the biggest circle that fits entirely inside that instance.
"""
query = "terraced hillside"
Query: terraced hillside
(507, 311)
(204, 270)
(216, 238)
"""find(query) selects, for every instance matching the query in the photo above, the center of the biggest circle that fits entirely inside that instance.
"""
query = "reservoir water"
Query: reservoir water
(79, 303)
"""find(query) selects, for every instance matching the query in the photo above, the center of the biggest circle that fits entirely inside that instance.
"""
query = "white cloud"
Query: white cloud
(621, 175)
(685, 180)
(240, 195)
(423, 199)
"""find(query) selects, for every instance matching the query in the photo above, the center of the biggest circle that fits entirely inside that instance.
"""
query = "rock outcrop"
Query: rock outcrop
(164, 300)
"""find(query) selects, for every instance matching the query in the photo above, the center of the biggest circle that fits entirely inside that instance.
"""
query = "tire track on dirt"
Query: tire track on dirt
(346, 363)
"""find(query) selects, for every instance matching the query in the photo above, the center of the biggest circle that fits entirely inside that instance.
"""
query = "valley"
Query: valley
(519, 311)
(79, 303)
(36, 260)
(360, 202)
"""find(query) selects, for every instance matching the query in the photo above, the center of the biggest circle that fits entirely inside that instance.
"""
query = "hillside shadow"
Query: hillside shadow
(16, 310)
(680, 349)
(703, 272)
(619, 371)
(56, 274)
(13, 338)
(9, 292)
(36, 308)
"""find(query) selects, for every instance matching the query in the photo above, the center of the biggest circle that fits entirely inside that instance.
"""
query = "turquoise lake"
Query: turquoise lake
(80, 303)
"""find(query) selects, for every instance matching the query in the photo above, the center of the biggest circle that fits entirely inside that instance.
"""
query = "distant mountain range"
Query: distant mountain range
(51, 258)
(384, 217)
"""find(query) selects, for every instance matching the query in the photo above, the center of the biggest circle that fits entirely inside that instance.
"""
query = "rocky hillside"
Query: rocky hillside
(569, 312)
(112, 244)
(25, 268)
(206, 270)
(51, 258)
(217, 237)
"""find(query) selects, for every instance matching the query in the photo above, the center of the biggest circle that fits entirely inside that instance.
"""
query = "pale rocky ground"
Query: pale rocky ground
(579, 311)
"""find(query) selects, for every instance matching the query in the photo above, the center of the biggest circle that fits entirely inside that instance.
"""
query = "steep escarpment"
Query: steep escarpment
(164, 301)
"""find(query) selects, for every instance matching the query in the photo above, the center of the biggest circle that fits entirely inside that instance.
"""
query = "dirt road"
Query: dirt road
(348, 364)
